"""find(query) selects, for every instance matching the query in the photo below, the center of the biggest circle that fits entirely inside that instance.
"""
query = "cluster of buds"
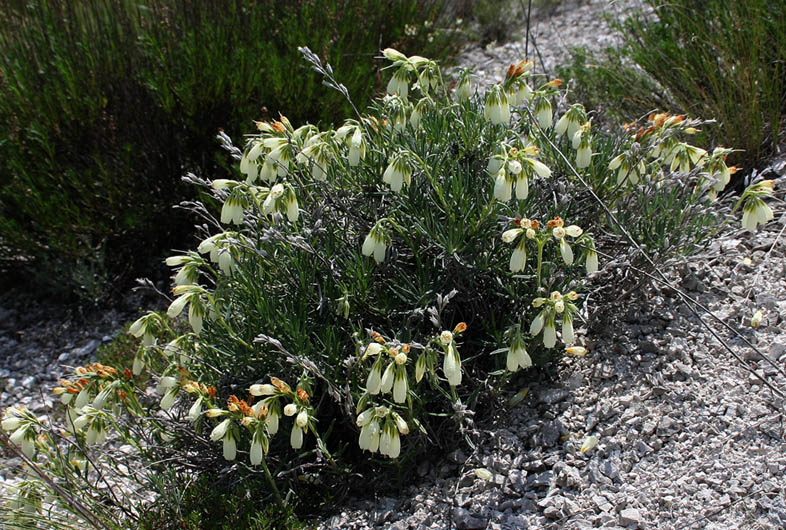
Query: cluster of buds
(515, 165)
(379, 431)
(555, 306)
(93, 379)
(515, 83)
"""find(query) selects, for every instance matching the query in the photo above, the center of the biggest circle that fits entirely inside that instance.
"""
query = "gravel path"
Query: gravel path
(687, 438)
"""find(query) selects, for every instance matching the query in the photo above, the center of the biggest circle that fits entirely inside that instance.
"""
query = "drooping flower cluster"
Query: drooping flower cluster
(379, 430)
(555, 229)
(388, 375)
(261, 419)
(556, 306)
(515, 165)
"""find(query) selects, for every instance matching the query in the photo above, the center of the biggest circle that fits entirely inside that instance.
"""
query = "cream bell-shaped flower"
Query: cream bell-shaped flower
(401, 424)
(12, 420)
(400, 385)
(257, 452)
(591, 261)
(271, 422)
(543, 113)
(374, 380)
(495, 164)
(464, 89)
(541, 169)
(230, 448)
(452, 366)
(503, 187)
(509, 236)
(290, 409)
(220, 430)
(568, 336)
(195, 411)
(262, 390)
(296, 437)
(522, 187)
(571, 121)
(399, 83)
(369, 437)
(755, 212)
(537, 323)
(518, 259)
(388, 377)
(584, 154)
(549, 333)
(517, 358)
(302, 419)
(169, 399)
(364, 418)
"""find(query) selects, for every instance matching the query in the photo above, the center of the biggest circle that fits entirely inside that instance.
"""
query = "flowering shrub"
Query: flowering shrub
(359, 285)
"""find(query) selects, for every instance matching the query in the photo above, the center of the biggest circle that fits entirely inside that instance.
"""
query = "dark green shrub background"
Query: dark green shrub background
(105, 104)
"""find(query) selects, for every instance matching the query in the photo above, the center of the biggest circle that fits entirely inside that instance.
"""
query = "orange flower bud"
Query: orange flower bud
(405, 348)
(461, 327)
(302, 394)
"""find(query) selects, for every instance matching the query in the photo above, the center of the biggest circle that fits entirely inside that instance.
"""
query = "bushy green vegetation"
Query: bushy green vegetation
(104, 105)
(359, 291)
(712, 59)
